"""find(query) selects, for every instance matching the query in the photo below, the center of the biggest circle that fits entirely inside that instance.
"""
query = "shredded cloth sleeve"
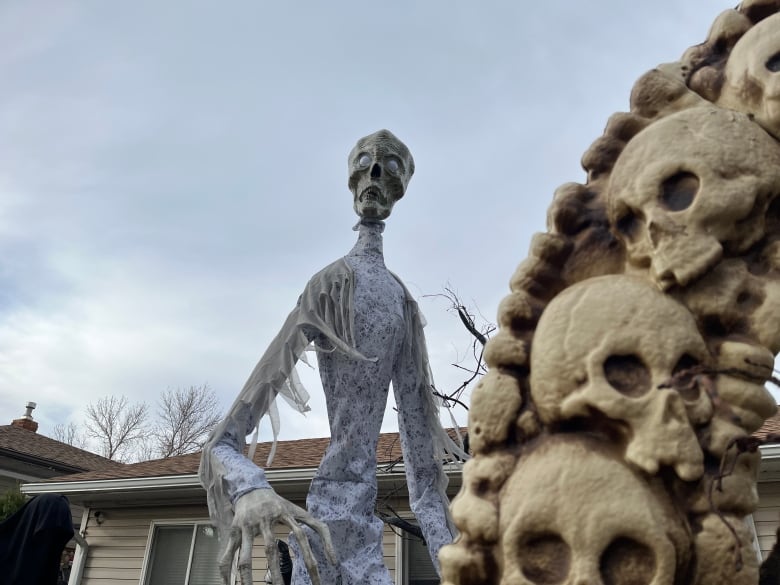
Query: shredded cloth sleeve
(424, 441)
(322, 313)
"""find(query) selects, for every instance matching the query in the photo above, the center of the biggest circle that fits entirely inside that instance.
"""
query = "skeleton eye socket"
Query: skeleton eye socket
(773, 63)
(393, 166)
(628, 375)
(363, 161)
(678, 191)
(627, 562)
(545, 559)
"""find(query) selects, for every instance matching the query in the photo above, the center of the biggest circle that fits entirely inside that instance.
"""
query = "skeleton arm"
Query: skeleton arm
(423, 441)
(241, 501)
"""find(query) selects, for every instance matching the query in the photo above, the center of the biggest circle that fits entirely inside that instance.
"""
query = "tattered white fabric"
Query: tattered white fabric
(368, 332)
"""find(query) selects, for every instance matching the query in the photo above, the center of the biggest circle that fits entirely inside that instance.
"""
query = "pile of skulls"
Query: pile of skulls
(611, 437)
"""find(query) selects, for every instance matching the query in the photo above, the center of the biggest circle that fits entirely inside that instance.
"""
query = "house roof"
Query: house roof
(25, 444)
(301, 453)
(770, 430)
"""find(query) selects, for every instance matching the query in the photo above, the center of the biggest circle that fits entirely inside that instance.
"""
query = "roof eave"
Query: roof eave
(283, 480)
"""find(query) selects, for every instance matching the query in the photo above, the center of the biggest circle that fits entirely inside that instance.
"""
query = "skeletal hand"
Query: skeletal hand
(257, 512)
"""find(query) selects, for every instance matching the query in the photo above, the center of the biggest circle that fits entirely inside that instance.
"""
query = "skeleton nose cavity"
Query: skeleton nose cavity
(376, 171)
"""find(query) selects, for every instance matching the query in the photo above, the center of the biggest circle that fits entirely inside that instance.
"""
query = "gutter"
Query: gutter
(282, 477)
(771, 451)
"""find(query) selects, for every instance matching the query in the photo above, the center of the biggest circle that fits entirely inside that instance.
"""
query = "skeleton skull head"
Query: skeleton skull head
(752, 75)
(380, 167)
(574, 514)
(607, 345)
(689, 186)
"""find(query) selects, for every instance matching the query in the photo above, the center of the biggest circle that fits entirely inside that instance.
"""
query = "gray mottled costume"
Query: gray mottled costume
(368, 332)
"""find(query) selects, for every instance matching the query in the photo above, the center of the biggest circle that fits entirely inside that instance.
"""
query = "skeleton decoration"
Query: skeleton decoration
(367, 331)
(630, 366)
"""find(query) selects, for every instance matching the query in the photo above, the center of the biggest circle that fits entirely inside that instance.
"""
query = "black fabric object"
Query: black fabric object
(769, 574)
(285, 562)
(32, 541)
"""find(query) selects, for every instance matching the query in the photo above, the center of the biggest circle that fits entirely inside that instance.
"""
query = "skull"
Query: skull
(574, 514)
(752, 75)
(689, 186)
(380, 167)
(607, 345)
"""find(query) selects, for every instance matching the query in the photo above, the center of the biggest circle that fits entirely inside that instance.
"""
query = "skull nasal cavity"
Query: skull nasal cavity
(627, 562)
(545, 559)
(376, 171)
(678, 191)
(627, 374)
(773, 63)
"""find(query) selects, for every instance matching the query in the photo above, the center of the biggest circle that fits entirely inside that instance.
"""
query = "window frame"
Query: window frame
(154, 524)
(401, 561)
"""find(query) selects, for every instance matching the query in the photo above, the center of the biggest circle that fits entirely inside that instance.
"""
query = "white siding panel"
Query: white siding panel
(118, 545)
(767, 516)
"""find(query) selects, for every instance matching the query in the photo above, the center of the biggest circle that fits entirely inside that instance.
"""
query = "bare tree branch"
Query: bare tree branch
(116, 425)
(69, 434)
(480, 334)
(185, 417)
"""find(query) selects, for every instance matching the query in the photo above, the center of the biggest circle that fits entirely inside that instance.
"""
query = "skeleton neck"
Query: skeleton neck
(369, 243)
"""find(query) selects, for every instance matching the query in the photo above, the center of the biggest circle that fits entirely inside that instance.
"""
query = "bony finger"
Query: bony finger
(245, 556)
(308, 556)
(226, 557)
(271, 553)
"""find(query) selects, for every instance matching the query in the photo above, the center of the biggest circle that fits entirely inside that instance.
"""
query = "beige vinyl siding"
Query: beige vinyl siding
(117, 546)
(767, 516)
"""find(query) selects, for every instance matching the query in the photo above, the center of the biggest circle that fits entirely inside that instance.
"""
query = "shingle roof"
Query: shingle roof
(770, 427)
(301, 453)
(22, 442)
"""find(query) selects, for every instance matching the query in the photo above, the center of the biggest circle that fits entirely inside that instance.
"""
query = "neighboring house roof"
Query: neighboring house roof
(770, 430)
(298, 454)
(19, 443)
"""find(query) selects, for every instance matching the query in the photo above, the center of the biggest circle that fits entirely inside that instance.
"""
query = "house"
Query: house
(147, 523)
(139, 514)
(26, 456)
(767, 516)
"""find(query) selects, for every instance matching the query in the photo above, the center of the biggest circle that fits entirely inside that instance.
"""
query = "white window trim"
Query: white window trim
(80, 558)
(194, 522)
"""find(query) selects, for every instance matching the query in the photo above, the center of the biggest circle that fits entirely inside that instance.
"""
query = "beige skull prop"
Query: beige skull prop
(689, 186)
(752, 83)
(607, 345)
(572, 514)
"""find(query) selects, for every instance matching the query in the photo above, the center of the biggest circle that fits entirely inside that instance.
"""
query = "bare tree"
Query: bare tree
(70, 434)
(472, 363)
(185, 416)
(116, 425)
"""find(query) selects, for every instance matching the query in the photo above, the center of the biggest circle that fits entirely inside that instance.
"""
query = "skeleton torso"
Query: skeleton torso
(355, 390)
(343, 494)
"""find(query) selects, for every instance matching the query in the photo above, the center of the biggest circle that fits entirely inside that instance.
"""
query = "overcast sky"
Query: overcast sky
(172, 173)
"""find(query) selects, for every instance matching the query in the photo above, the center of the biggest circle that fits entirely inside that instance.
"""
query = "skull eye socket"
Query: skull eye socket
(685, 386)
(627, 374)
(678, 191)
(773, 63)
(393, 166)
(363, 161)
(545, 559)
(627, 562)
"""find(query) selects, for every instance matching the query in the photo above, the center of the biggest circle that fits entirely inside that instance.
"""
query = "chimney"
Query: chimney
(27, 422)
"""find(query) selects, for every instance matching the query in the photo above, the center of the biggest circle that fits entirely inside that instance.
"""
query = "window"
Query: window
(418, 567)
(183, 554)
